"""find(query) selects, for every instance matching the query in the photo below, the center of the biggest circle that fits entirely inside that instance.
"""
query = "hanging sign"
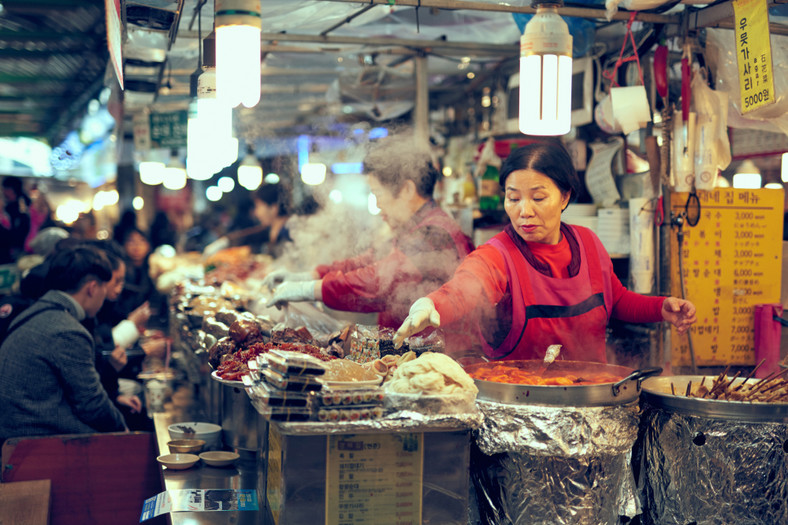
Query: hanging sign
(168, 130)
(732, 260)
(754, 52)
(374, 479)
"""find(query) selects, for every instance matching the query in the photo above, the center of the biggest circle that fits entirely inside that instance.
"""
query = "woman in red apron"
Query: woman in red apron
(540, 281)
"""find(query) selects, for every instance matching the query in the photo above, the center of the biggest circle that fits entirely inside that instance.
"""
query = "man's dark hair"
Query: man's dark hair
(549, 158)
(70, 269)
(111, 249)
(275, 195)
(399, 158)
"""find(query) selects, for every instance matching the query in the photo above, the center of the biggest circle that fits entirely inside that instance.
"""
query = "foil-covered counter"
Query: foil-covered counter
(554, 465)
(696, 469)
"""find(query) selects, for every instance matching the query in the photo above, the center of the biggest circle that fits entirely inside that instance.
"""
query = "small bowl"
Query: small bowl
(219, 458)
(186, 446)
(178, 461)
(208, 432)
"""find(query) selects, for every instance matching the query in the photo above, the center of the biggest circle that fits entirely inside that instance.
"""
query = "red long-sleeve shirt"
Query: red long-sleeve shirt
(483, 275)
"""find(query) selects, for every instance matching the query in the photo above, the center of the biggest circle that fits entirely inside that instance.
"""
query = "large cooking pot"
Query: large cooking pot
(657, 391)
(620, 392)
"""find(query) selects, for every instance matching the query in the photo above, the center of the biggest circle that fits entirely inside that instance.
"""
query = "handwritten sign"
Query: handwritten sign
(374, 479)
(754, 54)
(732, 260)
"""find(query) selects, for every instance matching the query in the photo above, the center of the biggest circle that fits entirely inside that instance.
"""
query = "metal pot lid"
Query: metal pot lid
(657, 392)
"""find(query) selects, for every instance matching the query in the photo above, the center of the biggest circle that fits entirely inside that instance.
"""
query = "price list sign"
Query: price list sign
(754, 54)
(732, 261)
(374, 479)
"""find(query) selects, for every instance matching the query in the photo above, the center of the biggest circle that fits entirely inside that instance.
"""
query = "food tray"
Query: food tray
(294, 363)
(215, 377)
(349, 413)
(274, 396)
(332, 398)
(291, 383)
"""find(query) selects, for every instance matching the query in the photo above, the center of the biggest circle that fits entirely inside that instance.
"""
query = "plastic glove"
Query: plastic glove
(277, 277)
(293, 292)
(422, 315)
(216, 246)
(679, 312)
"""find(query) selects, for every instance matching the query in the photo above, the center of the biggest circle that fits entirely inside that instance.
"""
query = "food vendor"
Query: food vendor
(540, 281)
(427, 244)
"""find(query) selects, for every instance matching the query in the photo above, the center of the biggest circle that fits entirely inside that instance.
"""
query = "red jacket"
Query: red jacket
(422, 256)
(527, 309)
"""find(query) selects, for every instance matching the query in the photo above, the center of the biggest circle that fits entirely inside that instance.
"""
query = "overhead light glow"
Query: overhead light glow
(346, 168)
(138, 203)
(773, 186)
(546, 73)
(313, 173)
(747, 176)
(238, 64)
(335, 196)
(213, 193)
(784, 168)
(271, 178)
(174, 174)
(226, 184)
(152, 173)
(250, 174)
(69, 211)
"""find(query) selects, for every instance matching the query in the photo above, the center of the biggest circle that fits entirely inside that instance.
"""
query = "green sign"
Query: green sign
(168, 130)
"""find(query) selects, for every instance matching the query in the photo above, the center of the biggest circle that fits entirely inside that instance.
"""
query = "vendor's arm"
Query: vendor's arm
(632, 307)
(348, 265)
(480, 279)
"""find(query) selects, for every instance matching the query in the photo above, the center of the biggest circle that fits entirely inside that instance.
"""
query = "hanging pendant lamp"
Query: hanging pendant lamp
(238, 28)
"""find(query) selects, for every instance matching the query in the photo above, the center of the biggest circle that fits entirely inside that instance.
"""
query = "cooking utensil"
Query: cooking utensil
(549, 356)
(657, 392)
(620, 392)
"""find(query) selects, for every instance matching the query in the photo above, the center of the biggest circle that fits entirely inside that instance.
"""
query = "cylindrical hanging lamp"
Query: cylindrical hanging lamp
(238, 28)
(546, 72)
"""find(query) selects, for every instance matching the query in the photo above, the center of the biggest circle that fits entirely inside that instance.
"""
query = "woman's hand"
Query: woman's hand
(422, 315)
(678, 312)
(133, 402)
(155, 347)
(140, 316)
(118, 358)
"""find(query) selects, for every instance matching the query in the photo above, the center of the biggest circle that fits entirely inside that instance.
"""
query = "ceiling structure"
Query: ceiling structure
(324, 61)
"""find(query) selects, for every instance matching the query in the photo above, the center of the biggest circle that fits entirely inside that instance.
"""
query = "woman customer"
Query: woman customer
(540, 281)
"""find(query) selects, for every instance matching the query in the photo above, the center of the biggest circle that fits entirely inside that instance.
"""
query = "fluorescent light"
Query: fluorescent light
(773, 186)
(546, 74)
(151, 173)
(138, 203)
(345, 168)
(238, 28)
(784, 170)
(747, 176)
(271, 178)
(250, 174)
(226, 184)
(213, 193)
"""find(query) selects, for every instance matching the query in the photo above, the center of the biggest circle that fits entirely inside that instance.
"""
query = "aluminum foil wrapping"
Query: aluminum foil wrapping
(403, 421)
(554, 465)
(696, 469)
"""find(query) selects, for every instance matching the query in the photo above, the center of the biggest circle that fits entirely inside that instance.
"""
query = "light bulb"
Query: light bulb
(546, 74)
(238, 28)
(250, 174)
(313, 173)
(151, 173)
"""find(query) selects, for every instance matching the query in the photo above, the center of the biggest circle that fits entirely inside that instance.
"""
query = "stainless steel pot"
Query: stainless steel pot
(620, 392)
(240, 421)
(657, 392)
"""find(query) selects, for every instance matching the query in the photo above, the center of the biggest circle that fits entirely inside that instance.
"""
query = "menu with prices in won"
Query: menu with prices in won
(732, 261)
(374, 479)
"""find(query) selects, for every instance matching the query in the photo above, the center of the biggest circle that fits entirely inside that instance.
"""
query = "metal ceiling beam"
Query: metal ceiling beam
(721, 15)
(8, 35)
(580, 12)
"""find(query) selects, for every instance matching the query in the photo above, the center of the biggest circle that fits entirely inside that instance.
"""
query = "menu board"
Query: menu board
(732, 260)
(374, 479)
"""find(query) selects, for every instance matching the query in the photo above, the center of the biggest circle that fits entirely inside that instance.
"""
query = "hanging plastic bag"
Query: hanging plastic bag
(767, 332)
(712, 149)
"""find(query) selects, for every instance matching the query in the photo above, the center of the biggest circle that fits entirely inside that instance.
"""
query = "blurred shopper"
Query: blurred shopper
(139, 287)
(41, 216)
(48, 380)
(17, 205)
(426, 247)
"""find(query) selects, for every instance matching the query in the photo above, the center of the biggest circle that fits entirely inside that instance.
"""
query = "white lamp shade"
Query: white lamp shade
(174, 178)
(152, 173)
(238, 65)
(213, 193)
(313, 173)
(226, 184)
(749, 181)
(546, 75)
(250, 177)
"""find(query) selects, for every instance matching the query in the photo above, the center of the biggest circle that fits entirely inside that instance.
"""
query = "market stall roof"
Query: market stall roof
(323, 60)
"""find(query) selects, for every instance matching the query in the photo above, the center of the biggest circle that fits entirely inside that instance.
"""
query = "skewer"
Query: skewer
(689, 389)
(672, 388)
(768, 379)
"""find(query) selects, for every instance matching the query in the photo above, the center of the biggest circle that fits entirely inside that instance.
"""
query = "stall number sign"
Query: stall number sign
(168, 130)
(754, 52)
(732, 261)
(374, 479)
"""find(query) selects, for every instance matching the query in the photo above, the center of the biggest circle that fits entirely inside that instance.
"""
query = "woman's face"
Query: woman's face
(265, 213)
(137, 248)
(393, 207)
(534, 203)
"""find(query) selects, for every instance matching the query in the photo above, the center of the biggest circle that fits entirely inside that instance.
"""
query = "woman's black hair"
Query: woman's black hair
(549, 158)
(111, 249)
(126, 234)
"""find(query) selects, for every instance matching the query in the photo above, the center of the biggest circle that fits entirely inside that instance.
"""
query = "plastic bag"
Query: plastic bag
(712, 148)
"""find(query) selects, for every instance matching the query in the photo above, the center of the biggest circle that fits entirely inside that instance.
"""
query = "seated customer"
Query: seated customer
(48, 380)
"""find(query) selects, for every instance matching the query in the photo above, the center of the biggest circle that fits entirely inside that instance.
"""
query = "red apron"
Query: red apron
(572, 312)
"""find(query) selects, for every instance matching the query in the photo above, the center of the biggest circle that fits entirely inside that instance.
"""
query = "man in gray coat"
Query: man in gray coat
(48, 380)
